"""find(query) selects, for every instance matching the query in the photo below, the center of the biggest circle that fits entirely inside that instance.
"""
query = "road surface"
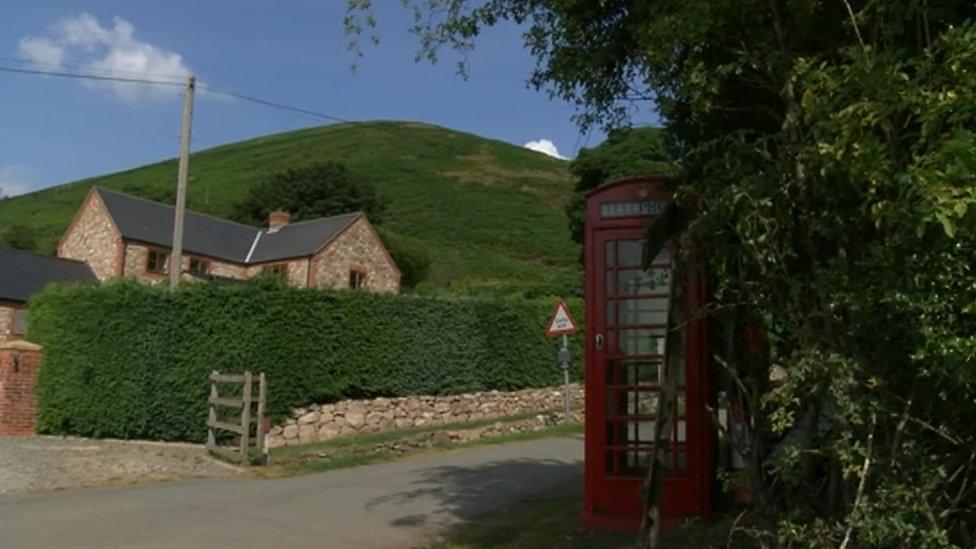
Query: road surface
(401, 503)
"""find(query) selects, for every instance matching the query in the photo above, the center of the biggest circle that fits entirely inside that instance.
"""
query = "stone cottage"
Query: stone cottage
(23, 274)
(120, 235)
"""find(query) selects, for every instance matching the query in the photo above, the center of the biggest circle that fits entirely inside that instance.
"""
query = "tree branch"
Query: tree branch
(860, 488)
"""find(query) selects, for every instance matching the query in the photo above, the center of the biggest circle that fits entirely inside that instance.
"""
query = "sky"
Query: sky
(54, 130)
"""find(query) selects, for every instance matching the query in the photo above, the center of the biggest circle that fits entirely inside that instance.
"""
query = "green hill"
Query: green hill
(490, 214)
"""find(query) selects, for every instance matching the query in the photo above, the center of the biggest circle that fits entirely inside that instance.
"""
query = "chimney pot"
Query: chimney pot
(278, 218)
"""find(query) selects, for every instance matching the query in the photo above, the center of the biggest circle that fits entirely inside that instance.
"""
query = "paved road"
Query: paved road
(396, 504)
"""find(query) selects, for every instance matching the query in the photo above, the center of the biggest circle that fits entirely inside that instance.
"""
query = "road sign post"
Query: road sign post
(561, 323)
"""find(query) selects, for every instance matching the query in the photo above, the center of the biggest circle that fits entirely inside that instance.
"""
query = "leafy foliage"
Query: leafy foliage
(627, 152)
(410, 257)
(828, 149)
(19, 237)
(129, 360)
(311, 192)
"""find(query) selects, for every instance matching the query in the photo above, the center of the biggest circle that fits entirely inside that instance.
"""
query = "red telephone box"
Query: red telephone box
(627, 311)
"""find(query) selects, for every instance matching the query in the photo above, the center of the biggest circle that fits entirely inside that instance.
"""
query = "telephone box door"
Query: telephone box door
(627, 325)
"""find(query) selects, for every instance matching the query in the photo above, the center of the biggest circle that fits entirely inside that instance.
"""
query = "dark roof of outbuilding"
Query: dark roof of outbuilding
(23, 274)
(152, 223)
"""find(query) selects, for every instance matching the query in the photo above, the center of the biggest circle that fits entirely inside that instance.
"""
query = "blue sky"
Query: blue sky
(54, 130)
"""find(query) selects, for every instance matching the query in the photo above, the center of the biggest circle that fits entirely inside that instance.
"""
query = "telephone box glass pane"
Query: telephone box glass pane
(652, 310)
(646, 341)
(641, 282)
(634, 372)
(630, 253)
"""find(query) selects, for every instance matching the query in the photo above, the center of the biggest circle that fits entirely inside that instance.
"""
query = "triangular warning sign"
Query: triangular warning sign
(561, 322)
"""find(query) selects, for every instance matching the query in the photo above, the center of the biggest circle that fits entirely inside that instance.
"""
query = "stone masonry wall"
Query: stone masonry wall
(358, 248)
(320, 422)
(135, 265)
(6, 321)
(19, 362)
(92, 238)
(296, 271)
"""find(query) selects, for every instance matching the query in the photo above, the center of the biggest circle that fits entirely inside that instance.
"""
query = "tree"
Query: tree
(828, 150)
(310, 192)
(627, 152)
(19, 237)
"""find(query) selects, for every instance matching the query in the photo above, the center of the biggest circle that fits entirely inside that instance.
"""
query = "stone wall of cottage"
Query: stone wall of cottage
(357, 248)
(136, 256)
(296, 271)
(92, 238)
(7, 312)
(320, 422)
(224, 269)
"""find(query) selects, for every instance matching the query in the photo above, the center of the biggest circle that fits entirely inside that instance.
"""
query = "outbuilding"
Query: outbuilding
(23, 274)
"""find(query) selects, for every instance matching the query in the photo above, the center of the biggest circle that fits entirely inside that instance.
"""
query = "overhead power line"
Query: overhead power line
(91, 76)
(90, 69)
(212, 89)
(274, 104)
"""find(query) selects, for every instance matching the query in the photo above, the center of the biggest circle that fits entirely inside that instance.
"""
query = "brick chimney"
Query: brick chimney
(278, 218)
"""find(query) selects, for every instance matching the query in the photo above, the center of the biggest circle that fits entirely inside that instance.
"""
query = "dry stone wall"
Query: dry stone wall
(320, 422)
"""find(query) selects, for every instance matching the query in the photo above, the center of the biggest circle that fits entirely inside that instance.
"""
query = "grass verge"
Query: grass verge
(365, 449)
(548, 522)
(554, 521)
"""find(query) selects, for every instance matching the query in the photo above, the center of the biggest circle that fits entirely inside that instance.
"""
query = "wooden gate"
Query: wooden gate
(243, 400)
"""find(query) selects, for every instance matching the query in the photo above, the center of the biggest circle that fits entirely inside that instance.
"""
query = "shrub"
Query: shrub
(131, 361)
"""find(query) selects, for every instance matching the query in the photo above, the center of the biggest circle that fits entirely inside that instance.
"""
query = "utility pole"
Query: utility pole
(176, 257)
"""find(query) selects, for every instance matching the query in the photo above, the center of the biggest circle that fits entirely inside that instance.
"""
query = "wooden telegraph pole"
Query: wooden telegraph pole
(176, 257)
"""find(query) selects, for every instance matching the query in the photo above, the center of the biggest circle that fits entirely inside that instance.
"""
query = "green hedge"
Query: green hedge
(128, 360)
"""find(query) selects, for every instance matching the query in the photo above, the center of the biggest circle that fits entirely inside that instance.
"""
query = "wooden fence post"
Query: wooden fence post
(262, 393)
(212, 413)
(246, 418)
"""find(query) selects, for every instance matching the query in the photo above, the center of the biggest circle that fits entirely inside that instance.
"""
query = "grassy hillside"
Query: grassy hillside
(490, 213)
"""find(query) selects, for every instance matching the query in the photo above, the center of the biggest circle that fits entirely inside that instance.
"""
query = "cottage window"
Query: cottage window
(19, 326)
(279, 269)
(199, 266)
(357, 279)
(157, 262)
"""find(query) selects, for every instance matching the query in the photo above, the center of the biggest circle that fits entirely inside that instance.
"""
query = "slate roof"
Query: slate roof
(23, 274)
(152, 222)
(299, 239)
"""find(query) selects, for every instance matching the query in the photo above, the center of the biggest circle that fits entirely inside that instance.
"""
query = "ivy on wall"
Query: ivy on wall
(131, 361)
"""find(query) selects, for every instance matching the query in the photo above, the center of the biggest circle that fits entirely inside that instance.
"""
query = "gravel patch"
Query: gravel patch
(32, 463)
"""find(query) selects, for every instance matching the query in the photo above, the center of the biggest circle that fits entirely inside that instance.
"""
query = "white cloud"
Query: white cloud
(15, 180)
(545, 146)
(114, 51)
